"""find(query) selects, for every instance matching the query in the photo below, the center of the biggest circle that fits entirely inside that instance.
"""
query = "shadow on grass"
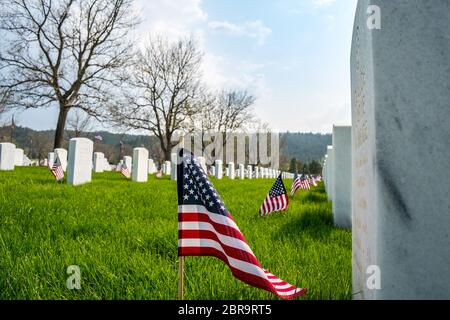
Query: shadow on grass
(316, 224)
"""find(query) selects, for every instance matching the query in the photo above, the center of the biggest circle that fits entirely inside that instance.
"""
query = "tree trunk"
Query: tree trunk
(59, 134)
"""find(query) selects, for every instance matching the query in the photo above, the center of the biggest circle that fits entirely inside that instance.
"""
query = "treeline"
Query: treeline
(305, 148)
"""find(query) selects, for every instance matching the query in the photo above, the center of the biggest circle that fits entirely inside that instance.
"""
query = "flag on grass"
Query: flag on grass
(57, 169)
(206, 228)
(313, 181)
(124, 170)
(295, 184)
(276, 200)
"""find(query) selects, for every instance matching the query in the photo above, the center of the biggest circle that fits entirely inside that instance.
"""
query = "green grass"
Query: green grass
(123, 235)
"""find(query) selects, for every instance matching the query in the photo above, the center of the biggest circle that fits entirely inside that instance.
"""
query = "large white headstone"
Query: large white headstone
(62, 155)
(18, 157)
(7, 156)
(219, 169)
(140, 165)
(99, 161)
(231, 170)
(400, 151)
(342, 204)
(257, 172)
(79, 167)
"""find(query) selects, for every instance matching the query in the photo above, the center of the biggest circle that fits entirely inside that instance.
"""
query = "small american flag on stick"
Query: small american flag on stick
(57, 169)
(206, 228)
(124, 170)
(276, 200)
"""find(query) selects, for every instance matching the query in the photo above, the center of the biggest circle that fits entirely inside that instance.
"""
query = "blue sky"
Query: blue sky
(294, 56)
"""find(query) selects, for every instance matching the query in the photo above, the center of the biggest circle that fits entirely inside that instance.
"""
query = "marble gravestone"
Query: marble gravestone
(241, 172)
(342, 176)
(128, 162)
(51, 159)
(330, 173)
(62, 155)
(7, 156)
(18, 157)
(218, 169)
(400, 151)
(79, 167)
(202, 162)
(257, 176)
(167, 167)
(231, 170)
(140, 165)
(173, 162)
(99, 162)
(151, 166)
(250, 171)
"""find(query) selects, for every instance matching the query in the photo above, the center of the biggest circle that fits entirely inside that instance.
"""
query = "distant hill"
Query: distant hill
(305, 146)
(36, 144)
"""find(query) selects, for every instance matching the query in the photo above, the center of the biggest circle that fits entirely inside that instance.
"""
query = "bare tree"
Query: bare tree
(79, 122)
(64, 52)
(165, 86)
(225, 112)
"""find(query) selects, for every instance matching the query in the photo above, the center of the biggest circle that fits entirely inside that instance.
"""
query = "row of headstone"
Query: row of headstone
(10, 157)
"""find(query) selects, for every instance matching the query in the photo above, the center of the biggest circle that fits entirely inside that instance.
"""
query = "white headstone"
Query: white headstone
(400, 151)
(140, 165)
(219, 170)
(51, 159)
(342, 151)
(99, 161)
(79, 167)
(173, 163)
(18, 157)
(330, 168)
(128, 162)
(257, 173)
(167, 167)
(231, 170)
(250, 171)
(202, 162)
(241, 171)
(7, 156)
(151, 166)
(62, 155)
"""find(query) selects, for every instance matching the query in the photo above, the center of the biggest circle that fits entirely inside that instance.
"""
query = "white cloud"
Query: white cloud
(171, 18)
(321, 3)
(252, 29)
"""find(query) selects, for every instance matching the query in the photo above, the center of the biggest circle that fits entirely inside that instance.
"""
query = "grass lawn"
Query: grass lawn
(123, 235)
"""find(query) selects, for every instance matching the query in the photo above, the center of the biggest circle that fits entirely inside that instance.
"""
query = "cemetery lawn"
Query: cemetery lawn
(123, 236)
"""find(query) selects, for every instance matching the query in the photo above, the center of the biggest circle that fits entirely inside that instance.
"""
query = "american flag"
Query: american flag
(206, 228)
(300, 182)
(57, 169)
(312, 180)
(276, 200)
(124, 170)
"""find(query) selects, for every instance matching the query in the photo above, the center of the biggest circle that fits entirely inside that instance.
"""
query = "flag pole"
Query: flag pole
(181, 278)
(181, 258)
